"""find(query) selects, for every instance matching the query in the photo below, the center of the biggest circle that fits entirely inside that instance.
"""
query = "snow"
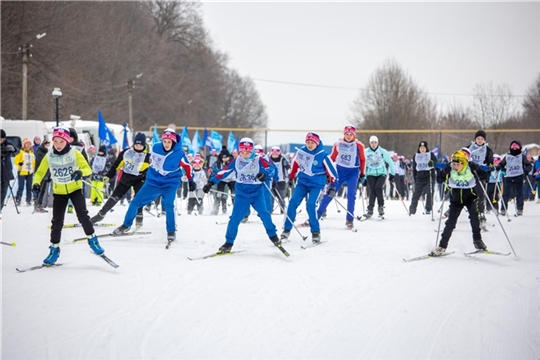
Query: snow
(352, 297)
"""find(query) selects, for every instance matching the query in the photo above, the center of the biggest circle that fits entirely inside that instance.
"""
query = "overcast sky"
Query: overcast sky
(447, 48)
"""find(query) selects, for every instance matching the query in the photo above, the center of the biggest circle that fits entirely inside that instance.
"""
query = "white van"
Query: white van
(18, 130)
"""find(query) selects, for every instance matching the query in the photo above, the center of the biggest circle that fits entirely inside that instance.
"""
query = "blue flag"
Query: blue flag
(216, 140)
(106, 137)
(435, 151)
(207, 139)
(185, 139)
(125, 143)
(196, 143)
(155, 136)
(231, 144)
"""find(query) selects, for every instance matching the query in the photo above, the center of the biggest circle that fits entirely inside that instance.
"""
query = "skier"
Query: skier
(313, 166)
(348, 154)
(460, 176)
(163, 178)
(220, 197)
(493, 184)
(99, 165)
(481, 155)
(376, 157)
(199, 177)
(133, 162)
(423, 172)
(67, 167)
(516, 167)
(251, 171)
(282, 173)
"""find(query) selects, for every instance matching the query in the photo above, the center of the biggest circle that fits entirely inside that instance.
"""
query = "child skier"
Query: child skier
(494, 186)
(199, 178)
(376, 157)
(461, 177)
(100, 164)
(251, 171)
(67, 167)
(163, 178)
(516, 167)
(423, 171)
(133, 162)
(281, 176)
(313, 166)
(348, 154)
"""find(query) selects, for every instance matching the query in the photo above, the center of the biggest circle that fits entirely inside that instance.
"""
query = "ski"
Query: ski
(312, 245)
(149, 211)
(101, 236)
(247, 222)
(215, 255)
(108, 261)
(66, 226)
(489, 252)
(169, 242)
(282, 249)
(364, 217)
(423, 257)
(352, 229)
(36, 267)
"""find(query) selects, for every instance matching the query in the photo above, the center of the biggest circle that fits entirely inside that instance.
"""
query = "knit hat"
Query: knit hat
(481, 133)
(466, 151)
(197, 162)
(516, 145)
(349, 129)
(259, 150)
(62, 133)
(102, 149)
(27, 141)
(373, 138)
(2, 134)
(245, 144)
(313, 137)
(424, 144)
(73, 134)
(140, 139)
(460, 157)
(90, 148)
(169, 134)
(276, 150)
(37, 138)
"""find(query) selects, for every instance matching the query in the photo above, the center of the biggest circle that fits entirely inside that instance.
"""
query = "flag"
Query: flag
(125, 143)
(207, 139)
(435, 151)
(231, 144)
(185, 139)
(236, 145)
(216, 140)
(155, 136)
(106, 137)
(196, 143)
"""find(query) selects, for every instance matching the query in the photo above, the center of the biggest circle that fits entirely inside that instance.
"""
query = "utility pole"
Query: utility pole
(25, 49)
(130, 85)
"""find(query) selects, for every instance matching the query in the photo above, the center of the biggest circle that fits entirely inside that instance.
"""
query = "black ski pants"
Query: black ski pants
(60, 203)
(453, 215)
(375, 187)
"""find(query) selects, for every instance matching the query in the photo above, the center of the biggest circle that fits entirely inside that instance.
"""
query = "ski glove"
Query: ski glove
(20, 164)
(331, 192)
(361, 179)
(290, 183)
(206, 188)
(392, 178)
(192, 186)
(261, 176)
(76, 175)
(440, 165)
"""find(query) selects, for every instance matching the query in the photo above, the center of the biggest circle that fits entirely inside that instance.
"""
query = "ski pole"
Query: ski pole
(403, 202)
(99, 191)
(222, 192)
(288, 218)
(500, 223)
(441, 213)
(503, 202)
(344, 208)
(530, 185)
(431, 193)
(8, 244)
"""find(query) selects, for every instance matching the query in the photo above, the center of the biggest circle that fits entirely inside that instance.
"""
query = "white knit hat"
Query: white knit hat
(374, 138)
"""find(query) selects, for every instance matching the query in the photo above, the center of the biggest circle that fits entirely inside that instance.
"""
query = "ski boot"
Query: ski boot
(244, 220)
(479, 244)
(120, 230)
(438, 251)
(349, 224)
(519, 212)
(275, 240)
(285, 234)
(368, 214)
(97, 218)
(139, 220)
(315, 237)
(53, 255)
(94, 244)
(381, 211)
(225, 248)
(171, 236)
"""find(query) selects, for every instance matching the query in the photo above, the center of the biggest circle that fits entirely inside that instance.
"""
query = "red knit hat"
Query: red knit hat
(62, 133)
(313, 137)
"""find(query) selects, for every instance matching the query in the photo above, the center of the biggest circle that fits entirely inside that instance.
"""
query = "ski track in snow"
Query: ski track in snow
(350, 298)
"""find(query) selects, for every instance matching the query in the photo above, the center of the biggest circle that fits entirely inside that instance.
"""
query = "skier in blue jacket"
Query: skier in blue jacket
(163, 178)
(313, 166)
(251, 172)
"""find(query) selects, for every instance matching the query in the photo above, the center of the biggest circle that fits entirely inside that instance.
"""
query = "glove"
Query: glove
(76, 175)
(261, 176)
(10, 148)
(392, 178)
(36, 188)
(206, 188)
(440, 165)
(20, 164)
(484, 167)
(290, 183)
(331, 192)
(430, 163)
(184, 178)
(361, 179)
(192, 186)
(274, 185)
(106, 180)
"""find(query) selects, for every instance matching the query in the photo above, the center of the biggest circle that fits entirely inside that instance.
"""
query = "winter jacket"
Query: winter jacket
(132, 168)
(313, 167)
(375, 162)
(25, 161)
(8, 151)
(166, 166)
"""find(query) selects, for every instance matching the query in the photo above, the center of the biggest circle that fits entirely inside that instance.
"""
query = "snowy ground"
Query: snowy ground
(350, 298)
